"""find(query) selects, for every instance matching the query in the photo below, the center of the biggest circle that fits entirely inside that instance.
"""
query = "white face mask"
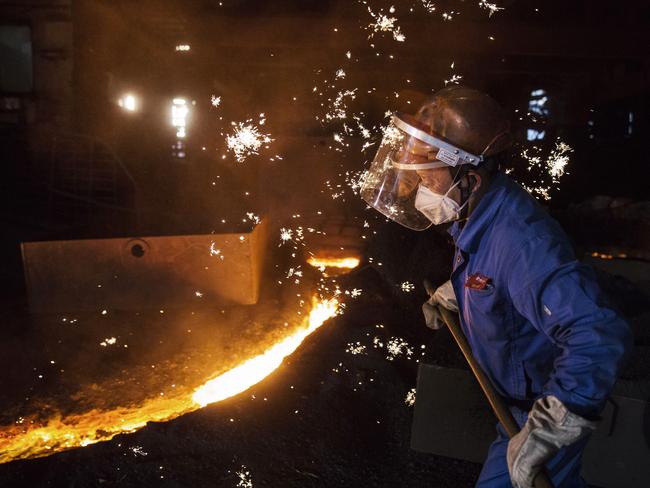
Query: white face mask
(439, 209)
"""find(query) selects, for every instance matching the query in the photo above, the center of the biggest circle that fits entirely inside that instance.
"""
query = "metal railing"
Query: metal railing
(72, 182)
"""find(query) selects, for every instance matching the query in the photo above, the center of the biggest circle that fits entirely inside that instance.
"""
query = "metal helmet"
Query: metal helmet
(468, 119)
(457, 126)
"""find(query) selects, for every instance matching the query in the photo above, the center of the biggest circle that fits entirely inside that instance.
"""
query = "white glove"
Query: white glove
(550, 427)
(443, 296)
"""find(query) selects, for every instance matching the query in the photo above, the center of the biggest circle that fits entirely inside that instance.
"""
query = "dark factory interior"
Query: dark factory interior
(196, 293)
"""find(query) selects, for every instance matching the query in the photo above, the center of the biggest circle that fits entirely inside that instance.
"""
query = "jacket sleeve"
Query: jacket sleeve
(561, 298)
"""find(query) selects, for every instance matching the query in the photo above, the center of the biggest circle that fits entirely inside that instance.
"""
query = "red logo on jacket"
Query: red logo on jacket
(477, 281)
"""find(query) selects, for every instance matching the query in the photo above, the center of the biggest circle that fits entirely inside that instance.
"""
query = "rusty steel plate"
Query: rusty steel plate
(144, 272)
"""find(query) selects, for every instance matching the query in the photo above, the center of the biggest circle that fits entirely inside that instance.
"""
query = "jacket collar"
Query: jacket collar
(468, 236)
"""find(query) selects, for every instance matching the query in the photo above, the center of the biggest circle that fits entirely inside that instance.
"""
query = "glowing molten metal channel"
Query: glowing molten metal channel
(29, 440)
(254, 370)
(343, 263)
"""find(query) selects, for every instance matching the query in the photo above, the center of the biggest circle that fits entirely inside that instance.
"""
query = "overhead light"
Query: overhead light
(129, 102)
(179, 116)
(183, 48)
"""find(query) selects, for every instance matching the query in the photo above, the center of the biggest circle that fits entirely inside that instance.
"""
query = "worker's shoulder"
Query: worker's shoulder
(522, 222)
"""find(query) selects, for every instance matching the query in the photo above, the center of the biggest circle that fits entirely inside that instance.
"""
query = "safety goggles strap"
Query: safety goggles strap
(447, 153)
(418, 166)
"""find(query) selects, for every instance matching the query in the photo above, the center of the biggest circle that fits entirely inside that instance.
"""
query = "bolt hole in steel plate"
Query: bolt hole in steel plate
(137, 248)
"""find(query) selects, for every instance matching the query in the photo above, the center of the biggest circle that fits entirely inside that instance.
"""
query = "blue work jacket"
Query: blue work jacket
(534, 316)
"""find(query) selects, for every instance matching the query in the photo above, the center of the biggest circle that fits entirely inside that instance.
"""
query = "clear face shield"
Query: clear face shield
(390, 185)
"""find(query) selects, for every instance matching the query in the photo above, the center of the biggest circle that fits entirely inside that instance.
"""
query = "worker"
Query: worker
(534, 316)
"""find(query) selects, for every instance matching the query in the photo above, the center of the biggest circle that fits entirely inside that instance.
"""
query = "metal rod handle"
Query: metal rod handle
(500, 409)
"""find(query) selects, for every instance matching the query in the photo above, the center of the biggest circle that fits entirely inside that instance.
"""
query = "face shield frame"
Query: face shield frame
(390, 184)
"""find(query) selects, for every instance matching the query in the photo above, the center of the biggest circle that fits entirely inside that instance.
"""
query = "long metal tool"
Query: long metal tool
(499, 407)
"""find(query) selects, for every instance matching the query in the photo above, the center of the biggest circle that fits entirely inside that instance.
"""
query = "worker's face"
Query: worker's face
(407, 183)
(439, 180)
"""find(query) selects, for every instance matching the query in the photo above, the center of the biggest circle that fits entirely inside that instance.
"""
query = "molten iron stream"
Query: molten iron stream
(29, 440)
(344, 263)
